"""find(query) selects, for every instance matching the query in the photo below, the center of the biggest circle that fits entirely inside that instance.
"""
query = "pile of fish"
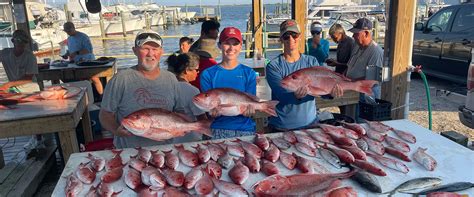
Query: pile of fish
(225, 167)
(8, 100)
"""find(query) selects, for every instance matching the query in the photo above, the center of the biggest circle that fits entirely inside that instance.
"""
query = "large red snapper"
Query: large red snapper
(231, 102)
(159, 124)
(320, 81)
(297, 185)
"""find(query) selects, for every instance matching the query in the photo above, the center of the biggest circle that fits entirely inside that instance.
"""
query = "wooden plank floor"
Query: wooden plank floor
(22, 176)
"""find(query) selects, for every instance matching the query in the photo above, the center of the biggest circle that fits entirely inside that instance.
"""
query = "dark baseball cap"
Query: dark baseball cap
(362, 24)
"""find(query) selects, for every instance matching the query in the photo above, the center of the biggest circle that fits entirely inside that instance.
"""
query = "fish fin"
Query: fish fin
(365, 86)
(184, 116)
(314, 91)
(269, 107)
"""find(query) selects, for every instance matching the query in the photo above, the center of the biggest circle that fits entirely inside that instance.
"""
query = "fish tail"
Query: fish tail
(204, 127)
(269, 107)
(365, 86)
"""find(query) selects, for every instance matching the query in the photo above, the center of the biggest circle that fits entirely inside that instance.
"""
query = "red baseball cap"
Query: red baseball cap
(230, 32)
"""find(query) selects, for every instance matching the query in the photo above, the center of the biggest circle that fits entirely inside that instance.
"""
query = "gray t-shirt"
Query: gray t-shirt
(186, 94)
(17, 67)
(130, 91)
(363, 57)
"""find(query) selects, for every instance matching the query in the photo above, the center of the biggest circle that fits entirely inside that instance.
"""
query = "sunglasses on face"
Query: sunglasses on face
(18, 40)
(194, 69)
(315, 33)
(286, 36)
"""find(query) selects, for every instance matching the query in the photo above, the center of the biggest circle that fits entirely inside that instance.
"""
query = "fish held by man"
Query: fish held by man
(159, 124)
(321, 81)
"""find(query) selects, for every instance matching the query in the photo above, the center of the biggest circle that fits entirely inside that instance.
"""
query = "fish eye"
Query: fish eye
(293, 76)
(206, 95)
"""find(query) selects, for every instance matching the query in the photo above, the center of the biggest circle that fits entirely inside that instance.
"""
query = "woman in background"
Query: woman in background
(186, 68)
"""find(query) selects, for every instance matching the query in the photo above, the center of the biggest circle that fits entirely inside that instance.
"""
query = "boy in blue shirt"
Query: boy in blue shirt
(297, 109)
(231, 74)
(316, 46)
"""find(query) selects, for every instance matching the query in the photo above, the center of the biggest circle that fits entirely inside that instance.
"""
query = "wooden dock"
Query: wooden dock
(206, 18)
(21, 176)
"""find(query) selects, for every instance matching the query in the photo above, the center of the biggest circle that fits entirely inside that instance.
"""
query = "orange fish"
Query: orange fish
(159, 124)
(231, 102)
(298, 184)
(320, 81)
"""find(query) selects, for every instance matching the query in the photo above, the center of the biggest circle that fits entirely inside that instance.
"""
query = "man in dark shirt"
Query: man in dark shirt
(209, 30)
(345, 45)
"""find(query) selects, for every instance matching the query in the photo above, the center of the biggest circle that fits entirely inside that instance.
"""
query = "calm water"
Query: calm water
(231, 16)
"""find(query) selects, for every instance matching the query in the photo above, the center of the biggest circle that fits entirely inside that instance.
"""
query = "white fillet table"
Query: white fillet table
(455, 164)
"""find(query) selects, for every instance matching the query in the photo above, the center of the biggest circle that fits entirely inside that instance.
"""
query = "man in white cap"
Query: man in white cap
(142, 86)
(316, 46)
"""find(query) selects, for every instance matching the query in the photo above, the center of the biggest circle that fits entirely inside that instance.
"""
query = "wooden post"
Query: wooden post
(102, 28)
(147, 21)
(21, 18)
(68, 14)
(174, 16)
(298, 13)
(398, 48)
(124, 28)
(376, 31)
(257, 25)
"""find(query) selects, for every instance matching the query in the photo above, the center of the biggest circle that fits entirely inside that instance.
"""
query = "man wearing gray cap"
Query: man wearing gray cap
(316, 46)
(295, 110)
(142, 86)
(367, 53)
(19, 64)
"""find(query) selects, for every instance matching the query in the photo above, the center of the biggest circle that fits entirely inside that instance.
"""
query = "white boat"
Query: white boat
(349, 16)
(45, 29)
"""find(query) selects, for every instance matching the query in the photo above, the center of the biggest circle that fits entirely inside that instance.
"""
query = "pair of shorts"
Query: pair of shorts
(224, 133)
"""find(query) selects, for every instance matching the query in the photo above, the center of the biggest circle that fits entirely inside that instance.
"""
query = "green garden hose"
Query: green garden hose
(427, 97)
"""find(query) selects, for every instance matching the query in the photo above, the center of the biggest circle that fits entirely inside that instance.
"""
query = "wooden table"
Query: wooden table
(73, 72)
(349, 101)
(454, 163)
(49, 116)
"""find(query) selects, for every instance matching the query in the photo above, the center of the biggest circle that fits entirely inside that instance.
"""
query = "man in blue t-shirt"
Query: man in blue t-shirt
(297, 109)
(316, 46)
(231, 74)
(80, 49)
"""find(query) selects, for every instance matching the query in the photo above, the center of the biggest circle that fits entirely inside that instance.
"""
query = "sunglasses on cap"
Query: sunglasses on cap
(146, 35)
(287, 35)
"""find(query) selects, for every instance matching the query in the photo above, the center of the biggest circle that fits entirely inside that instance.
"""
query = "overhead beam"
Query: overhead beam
(299, 9)
(257, 24)
(398, 48)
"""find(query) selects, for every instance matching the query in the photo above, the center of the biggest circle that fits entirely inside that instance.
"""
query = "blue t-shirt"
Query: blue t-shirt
(321, 52)
(292, 113)
(78, 42)
(241, 78)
